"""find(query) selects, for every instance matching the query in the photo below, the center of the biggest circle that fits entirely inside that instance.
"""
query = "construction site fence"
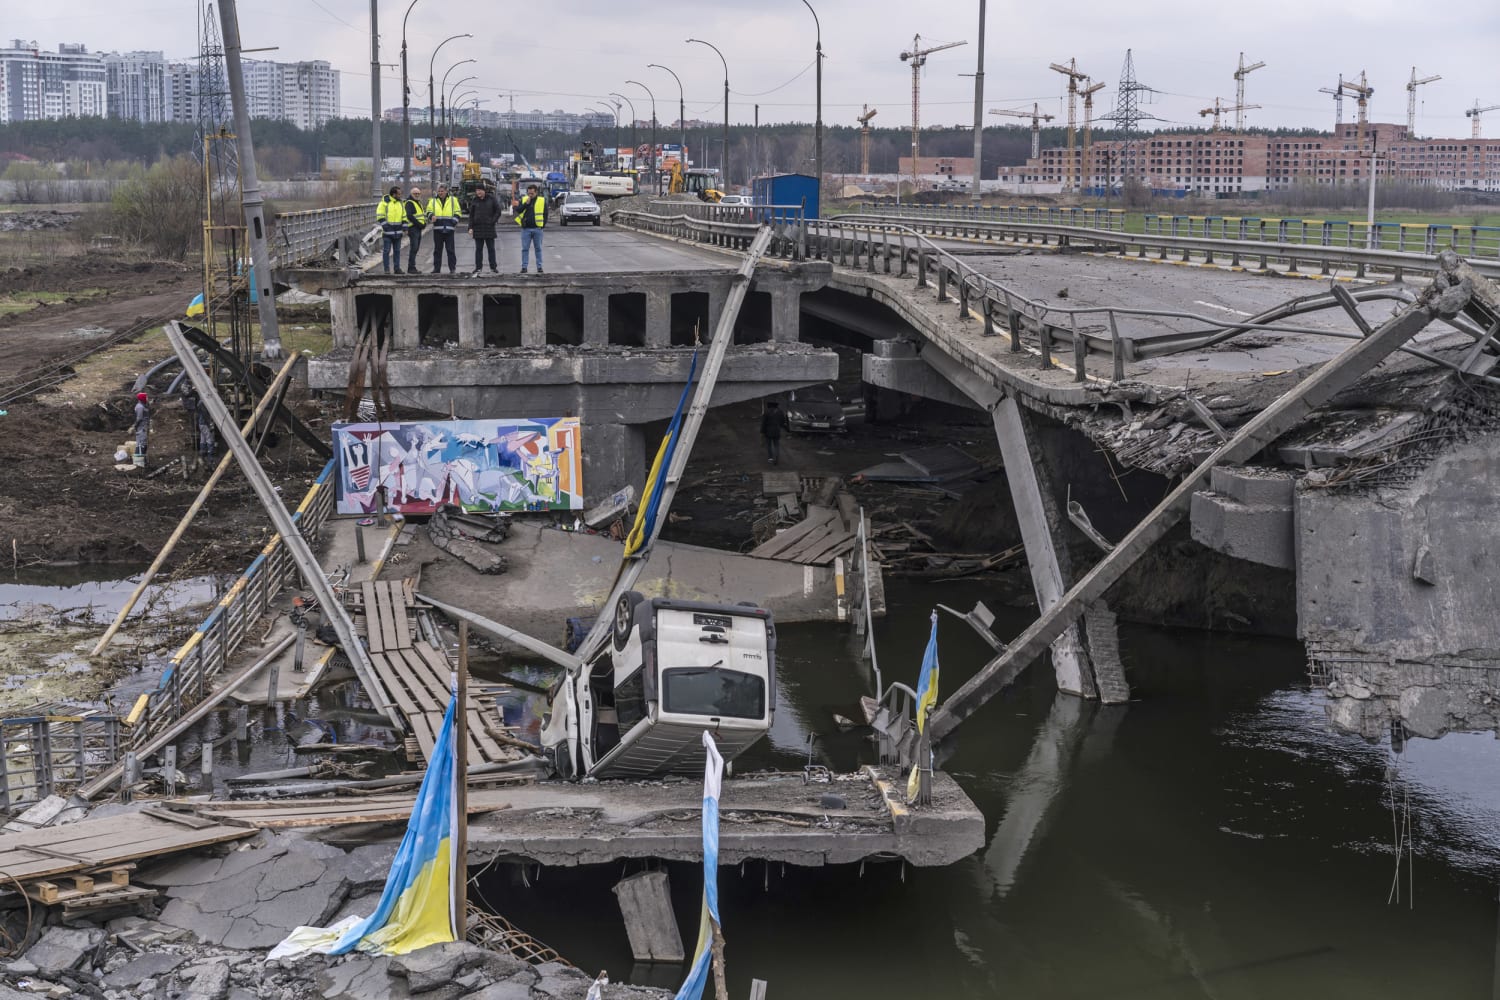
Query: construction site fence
(1111, 219)
(188, 676)
(1403, 237)
(318, 235)
(54, 754)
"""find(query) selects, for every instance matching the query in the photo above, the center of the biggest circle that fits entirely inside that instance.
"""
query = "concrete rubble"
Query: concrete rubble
(220, 914)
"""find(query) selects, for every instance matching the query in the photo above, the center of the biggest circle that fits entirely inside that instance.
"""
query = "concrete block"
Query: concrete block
(1258, 533)
(470, 320)
(786, 315)
(658, 318)
(404, 317)
(596, 318)
(153, 965)
(646, 904)
(61, 949)
(341, 317)
(1251, 485)
(533, 317)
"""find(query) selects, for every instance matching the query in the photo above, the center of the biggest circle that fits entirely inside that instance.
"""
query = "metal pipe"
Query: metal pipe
(724, 151)
(250, 196)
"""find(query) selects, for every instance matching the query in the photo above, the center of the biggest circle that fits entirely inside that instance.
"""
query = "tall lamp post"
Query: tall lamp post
(724, 151)
(377, 160)
(634, 145)
(655, 172)
(818, 126)
(979, 112)
(614, 116)
(405, 104)
(432, 136)
(443, 93)
(681, 113)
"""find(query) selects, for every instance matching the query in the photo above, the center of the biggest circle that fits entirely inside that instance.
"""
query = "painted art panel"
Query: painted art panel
(482, 466)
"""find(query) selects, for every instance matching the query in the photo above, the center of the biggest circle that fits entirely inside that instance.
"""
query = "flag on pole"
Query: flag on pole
(656, 481)
(927, 691)
(416, 908)
(195, 307)
(713, 771)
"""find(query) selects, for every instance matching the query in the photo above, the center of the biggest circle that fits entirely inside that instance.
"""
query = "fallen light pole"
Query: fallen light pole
(296, 545)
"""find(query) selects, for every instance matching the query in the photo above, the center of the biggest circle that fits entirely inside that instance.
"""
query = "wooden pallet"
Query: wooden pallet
(80, 885)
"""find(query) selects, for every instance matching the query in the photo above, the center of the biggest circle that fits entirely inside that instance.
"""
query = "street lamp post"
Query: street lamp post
(655, 172)
(979, 112)
(405, 104)
(432, 136)
(614, 116)
(724, 151)
(681, 113)
(443, 93)
(818, 126)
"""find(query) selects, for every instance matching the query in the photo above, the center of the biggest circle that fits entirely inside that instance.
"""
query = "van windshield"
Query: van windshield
(713, 691)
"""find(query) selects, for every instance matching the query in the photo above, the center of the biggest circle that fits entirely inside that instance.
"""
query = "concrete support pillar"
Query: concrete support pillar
(342, 317)
(1040, 531)
(716, 295)
(614, 455)
(786, 315)
(470, 320)
(533, 317)
(596, 318)
(658, 319)
(404, 316)
(646, 904)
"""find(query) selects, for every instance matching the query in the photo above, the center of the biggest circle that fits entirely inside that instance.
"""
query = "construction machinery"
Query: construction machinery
(1036, 116)
(1220, 108)
(1338, 101)
(1361, 92)
(864, 138)
(1088, 133)
(1476, 112)
(917, 56)
(1239, 93)
(1411, 100)
(1074, 79)
(703, 182)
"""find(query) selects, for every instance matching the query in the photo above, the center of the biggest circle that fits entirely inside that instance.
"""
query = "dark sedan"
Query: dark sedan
(815, 408)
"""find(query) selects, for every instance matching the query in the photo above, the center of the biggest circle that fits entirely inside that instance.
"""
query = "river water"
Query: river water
(1213, 839)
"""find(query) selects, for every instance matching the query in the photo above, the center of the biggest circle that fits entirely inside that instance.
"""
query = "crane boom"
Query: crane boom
(1239, 91)
(1036, 116)
(917, 56)
(864, 138)
(1074, 78)
(1476, 112)
(1088, 132)
(1411, 100)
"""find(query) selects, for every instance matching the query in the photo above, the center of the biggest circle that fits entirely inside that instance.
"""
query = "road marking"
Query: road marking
(1210, 305)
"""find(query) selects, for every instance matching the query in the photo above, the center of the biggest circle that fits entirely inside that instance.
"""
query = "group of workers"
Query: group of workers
(406, 217)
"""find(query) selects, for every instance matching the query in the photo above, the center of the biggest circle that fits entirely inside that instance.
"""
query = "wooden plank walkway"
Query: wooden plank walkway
(102, 843)
(815, 540)
(291, 814)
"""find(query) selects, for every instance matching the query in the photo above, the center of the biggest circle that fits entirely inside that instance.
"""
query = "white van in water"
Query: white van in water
(671, 670)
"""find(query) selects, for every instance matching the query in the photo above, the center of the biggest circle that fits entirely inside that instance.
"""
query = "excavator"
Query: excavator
(700, 181)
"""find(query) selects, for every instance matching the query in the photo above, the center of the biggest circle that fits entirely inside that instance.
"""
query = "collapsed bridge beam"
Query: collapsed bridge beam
(1452, 291)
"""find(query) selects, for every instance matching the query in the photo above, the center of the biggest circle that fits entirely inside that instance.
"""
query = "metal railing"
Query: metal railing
(48, 753)
(1110, 219)
(317, 235)
(730, 227)
(204, 656)
(1475, 242)
(1118, 335)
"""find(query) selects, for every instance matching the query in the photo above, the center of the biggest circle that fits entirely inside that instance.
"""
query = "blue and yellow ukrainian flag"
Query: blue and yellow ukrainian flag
(713, 773)
(196, 307)
(645, 515)
(927, 692)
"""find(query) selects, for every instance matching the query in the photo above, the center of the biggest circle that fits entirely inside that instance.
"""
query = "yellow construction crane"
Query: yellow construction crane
(864, 138)
(1411, 100)
(1036, 116)
(1362, 93)
(1338, 101)
(1476, 112)
(1220, 108)
(917, 56)
(1088, 132)
(1239, 93)
(1074, 79)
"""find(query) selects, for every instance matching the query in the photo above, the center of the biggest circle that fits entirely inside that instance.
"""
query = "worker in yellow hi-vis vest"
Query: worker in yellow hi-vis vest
(531, 216)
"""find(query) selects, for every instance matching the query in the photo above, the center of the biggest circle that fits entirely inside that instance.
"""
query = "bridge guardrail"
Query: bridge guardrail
(1120, 335)
(1112, 219)
(731, 227)
(1474, 242)
(303, 237)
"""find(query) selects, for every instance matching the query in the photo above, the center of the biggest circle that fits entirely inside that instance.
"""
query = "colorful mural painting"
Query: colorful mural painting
(479, 465)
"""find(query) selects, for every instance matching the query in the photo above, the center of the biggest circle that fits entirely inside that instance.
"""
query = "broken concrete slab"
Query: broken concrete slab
(361, 977)
(437, 965)
(211, 981)
(153, 965)
(61, 949)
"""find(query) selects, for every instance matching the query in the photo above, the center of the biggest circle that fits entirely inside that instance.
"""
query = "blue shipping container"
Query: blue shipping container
(788, 190)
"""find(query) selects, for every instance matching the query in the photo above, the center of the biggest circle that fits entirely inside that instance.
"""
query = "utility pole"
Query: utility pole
(979, 111)
(255, 219)
(818, 125)
(405, 105)
(376, 159)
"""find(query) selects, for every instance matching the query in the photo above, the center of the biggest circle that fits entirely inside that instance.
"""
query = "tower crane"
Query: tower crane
(1074, 78)
(1221, 108)
(864, 138)
(1338, 101)
(1239, 94)
(1036, 116)
(1476, 112)
(1362, 93)
(917, 56)
(1411, 100)
(1088, 132)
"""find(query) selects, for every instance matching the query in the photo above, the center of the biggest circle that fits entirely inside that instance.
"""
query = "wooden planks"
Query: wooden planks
(385, 606)
(299, 813)
(103, 843)
(418, 681)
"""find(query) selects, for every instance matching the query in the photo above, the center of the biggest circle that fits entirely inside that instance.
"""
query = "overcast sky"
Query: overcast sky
(569, 55)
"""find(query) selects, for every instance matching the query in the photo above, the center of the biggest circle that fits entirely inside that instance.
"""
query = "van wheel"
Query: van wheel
(596, 222)
(625, 617)
(562, 760)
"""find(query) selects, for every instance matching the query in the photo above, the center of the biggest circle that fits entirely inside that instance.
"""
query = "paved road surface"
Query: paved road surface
(579, 250)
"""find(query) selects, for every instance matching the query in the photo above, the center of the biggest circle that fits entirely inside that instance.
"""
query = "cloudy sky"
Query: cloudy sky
(570, 55)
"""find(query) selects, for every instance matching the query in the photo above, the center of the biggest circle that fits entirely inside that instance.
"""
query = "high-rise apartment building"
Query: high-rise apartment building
(35, 84)
(135, 85)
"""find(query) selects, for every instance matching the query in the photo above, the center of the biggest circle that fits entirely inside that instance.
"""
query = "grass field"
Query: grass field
(19, 302)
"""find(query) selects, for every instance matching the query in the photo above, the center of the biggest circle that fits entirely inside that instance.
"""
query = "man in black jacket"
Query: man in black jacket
(484, 215)
(416, 221)
(771, 423)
